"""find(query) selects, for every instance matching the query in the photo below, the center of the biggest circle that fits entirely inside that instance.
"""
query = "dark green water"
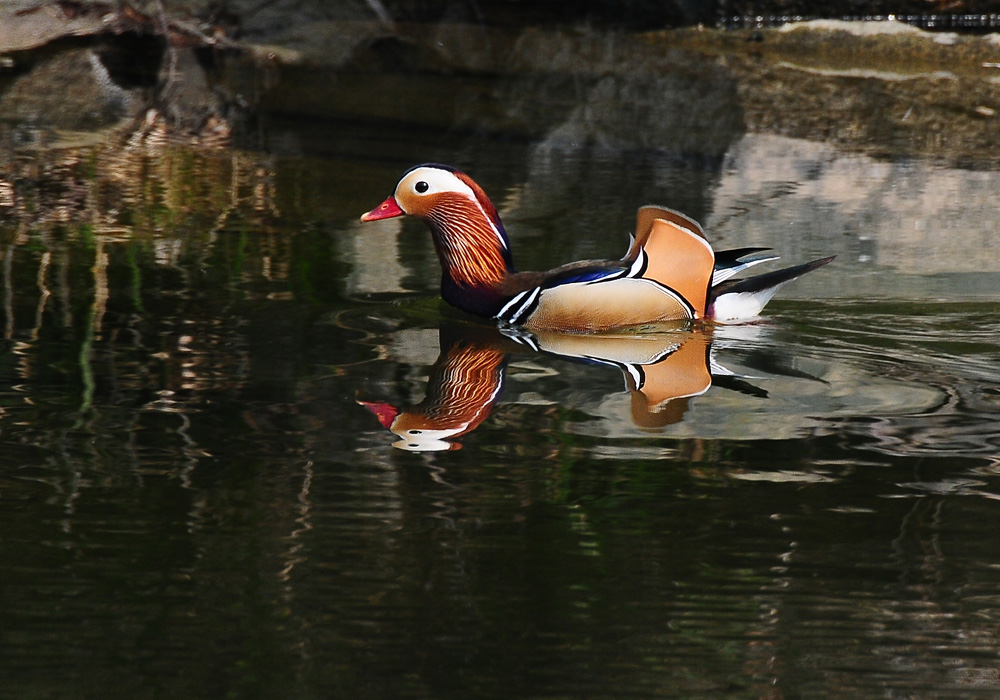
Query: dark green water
(193, 502)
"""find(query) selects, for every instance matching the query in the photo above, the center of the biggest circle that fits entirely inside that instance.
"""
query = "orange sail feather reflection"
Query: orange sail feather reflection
(662, 372)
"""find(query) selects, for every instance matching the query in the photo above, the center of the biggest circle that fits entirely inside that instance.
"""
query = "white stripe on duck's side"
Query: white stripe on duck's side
(519, 305)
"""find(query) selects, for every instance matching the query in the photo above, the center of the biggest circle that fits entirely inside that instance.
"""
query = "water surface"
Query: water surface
(196, 501)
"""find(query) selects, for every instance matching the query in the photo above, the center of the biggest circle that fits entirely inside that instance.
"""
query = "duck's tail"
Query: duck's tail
(671, 249)
(738, 300)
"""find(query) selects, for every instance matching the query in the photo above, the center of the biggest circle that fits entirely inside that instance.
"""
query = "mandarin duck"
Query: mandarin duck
(670, 272)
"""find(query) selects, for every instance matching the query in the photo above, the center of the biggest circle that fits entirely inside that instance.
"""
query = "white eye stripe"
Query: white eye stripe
(434, 180)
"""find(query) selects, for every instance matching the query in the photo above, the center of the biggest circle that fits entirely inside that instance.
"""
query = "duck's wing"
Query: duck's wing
(727, 262)
(651, 212)
(592, 296)
(663, 277)
(674, 253)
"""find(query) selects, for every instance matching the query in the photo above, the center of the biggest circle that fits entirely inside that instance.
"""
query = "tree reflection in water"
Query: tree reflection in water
(111, 257)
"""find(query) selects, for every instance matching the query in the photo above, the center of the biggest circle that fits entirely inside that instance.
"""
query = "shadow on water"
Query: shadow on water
(194, 503)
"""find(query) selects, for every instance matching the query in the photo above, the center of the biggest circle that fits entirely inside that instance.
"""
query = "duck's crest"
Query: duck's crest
(484, 201)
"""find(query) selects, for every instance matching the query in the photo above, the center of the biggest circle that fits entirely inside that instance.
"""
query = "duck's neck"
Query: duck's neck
(475, 257)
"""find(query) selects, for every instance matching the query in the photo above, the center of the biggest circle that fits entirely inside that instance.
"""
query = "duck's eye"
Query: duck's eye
(421, 187)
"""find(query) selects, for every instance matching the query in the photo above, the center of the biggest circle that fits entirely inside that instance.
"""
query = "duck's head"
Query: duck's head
(468, 234)
(432, 191)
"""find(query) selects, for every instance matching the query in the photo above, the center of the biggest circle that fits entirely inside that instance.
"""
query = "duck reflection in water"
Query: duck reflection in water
(662, 372)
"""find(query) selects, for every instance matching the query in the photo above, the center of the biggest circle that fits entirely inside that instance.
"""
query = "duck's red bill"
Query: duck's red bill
(385, 412)
(385, 210)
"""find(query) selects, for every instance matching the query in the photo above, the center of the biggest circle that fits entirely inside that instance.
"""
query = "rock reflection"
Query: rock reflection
(662, 372)
(899, 218)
